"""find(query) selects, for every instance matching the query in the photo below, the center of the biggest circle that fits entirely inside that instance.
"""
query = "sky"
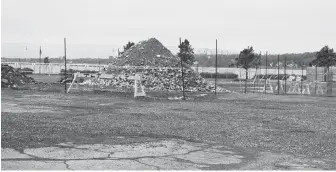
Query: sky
(276, 26)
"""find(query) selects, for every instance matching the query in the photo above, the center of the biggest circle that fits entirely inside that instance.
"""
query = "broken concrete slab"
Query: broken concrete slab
(218, 151)
(105, 148)
(65, 153)
(210, 158)
(33, 165)
(108, 165)
(8, 153)
(162, 148)
(167, 163)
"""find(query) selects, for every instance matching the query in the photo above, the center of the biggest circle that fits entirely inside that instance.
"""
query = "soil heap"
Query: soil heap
(159, 69)
(11, 77)
(148, 53)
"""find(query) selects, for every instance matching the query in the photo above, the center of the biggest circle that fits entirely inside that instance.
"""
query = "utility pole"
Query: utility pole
(278, 74)
(285, 75)
(216, 71)
(183, 98)
(65, 77)
(266, 73)
(301, 76)
(40, 61)
(315, 78)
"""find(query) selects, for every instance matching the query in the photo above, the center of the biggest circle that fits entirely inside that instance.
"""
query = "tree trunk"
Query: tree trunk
(246, 81)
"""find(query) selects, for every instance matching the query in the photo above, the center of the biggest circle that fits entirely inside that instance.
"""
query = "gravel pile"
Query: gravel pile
(11, 77)
(159, 68)
(148, 53)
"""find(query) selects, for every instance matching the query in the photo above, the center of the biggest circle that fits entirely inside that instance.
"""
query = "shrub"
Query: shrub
(27, 70)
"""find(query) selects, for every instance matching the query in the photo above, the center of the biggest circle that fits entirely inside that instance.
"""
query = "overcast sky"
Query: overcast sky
(277, 26)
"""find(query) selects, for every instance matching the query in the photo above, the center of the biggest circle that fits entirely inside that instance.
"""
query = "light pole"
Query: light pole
(196, 62)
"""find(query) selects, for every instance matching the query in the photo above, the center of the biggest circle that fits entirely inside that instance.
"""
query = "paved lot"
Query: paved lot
(156, 155)
(104, 132)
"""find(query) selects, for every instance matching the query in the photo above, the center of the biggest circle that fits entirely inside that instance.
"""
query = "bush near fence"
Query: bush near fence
(227, 75)
(27, 70)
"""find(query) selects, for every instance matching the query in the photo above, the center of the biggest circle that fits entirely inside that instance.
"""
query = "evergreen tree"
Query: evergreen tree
(128, 45)
(325, 57)
(247, 59)
(186, 53)
(46, 60)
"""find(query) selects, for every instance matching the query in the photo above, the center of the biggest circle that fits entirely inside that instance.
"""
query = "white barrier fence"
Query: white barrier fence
(55, 68)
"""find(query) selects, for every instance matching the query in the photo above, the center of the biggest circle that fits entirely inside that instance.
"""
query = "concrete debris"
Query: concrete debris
(11, 77)
(159, 69)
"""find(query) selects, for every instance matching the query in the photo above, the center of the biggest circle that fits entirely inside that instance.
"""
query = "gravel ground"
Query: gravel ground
(299, 125)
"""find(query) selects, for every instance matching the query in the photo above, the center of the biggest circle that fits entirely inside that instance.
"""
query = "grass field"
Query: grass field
(289, 124)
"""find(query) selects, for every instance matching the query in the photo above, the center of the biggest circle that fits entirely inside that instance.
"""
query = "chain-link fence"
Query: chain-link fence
(316, 81)
(164, 81)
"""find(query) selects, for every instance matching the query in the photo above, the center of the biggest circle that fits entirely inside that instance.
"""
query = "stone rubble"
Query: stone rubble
(159, 69)
(11, 77)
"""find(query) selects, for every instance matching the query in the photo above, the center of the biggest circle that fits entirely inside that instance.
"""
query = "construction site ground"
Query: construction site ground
(49, 130)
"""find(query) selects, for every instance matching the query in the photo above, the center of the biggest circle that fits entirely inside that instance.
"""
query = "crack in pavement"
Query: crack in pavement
(109, 155)
(72, 147)
(137, 160)
(36, 158)
(166, 150)
(67, 165)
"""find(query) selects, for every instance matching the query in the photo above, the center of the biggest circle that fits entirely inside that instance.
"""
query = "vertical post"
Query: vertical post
(98, 65)
(65, 69)
(183, 98)
(246, 77)
(301, 76)
(216, 71)
(266, 73)
(315, 78)
(258, 73)
(40, 61)
(20, 63)
(278, 75)
(285, 74)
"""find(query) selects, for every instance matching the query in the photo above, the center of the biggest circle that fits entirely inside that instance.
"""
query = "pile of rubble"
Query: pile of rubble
(11, 77)
(148, 53)
(158, 67)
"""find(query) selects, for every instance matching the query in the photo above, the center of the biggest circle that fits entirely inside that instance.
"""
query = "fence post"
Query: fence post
(65, 86)
(216, 71)
(266, 74)
(301, 77)
(278, 76)
(285, 75)
(315, 78)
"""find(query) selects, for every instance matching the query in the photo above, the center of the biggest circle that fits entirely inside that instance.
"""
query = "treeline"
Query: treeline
(272, 59)
(202, 59)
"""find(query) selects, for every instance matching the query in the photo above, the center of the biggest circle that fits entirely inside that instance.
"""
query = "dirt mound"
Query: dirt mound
(11, 77)
(148, 53)
(159, 68)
